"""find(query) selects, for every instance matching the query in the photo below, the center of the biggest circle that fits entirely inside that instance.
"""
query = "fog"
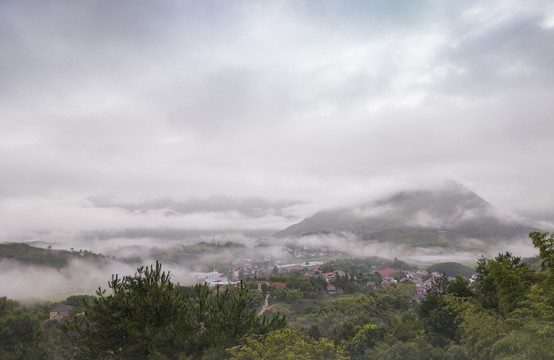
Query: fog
(131, 126)
(186, 114)
(34, 283)
(28, 283)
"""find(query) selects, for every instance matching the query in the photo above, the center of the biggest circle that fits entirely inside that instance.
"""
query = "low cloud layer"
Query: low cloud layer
(31, 283)
(140, 119)
(251, 207)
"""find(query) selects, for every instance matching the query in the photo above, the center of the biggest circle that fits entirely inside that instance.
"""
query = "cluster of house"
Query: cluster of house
(214, 280)
(420, 278)
(310, 269)
(59, 312)
(389, 276)
(330, 288)
(219, 280)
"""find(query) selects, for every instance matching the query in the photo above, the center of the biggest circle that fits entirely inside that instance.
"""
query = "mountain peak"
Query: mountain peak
(448, 199)
(435, 216)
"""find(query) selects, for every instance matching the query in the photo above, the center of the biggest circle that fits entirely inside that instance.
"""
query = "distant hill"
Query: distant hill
(31, 255)
(190, 254)
(452, 269)
(448, 216)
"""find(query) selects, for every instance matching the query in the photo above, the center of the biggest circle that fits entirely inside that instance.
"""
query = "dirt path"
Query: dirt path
(264, 308)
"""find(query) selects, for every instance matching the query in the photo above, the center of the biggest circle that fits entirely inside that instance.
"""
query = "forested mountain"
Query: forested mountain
(449, 216)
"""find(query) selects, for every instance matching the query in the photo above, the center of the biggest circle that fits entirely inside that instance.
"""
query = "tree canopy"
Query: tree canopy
(286, 344)
(146, 316)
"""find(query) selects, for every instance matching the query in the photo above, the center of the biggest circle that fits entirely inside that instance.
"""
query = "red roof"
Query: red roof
(386, 272)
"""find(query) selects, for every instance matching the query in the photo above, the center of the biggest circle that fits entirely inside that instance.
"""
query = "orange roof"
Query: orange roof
(386, 271)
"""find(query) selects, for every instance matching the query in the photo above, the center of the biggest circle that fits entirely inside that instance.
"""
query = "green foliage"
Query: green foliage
(452, 269)
(485, 286)
(416, 350)
(404, 328)
(513, 317)
(397, 297)
(344, 331)
(286, 344)
(356, 304)
(545, 243)
(459, 287)
(360, 266)
(437, 315)
(77, 301)
(222, 318)
(135, 321)
(502, 282)
(31, 255)
(315, 331)
(479, 329)
(20, 332)
(147, 317)
(346, 283)
(371, 318)
(306, 287)
(534, 262)
(366, 337)
(531, 340)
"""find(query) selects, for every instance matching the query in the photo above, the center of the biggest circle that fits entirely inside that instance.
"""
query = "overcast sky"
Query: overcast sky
(256, 113)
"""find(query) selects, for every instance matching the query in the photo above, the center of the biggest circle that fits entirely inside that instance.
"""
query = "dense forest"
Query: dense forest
(507, 312)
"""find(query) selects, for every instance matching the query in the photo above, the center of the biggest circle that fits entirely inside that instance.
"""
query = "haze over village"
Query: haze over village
(246, 179)
(185, 120)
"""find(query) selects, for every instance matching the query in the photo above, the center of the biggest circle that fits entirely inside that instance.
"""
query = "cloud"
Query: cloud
(325, 104)
(252, 207)
(373, 211)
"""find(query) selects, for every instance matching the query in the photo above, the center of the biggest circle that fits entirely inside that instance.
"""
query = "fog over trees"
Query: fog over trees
(506, 310)
(320, 179)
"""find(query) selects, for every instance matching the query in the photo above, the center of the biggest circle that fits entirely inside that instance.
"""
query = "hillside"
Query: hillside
(448, 216)
(31, 255)
(452, 269)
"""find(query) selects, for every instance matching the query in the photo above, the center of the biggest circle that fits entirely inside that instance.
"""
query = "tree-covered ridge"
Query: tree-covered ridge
(447, 217)
(189, 253)
(31, 255)
(452, 269)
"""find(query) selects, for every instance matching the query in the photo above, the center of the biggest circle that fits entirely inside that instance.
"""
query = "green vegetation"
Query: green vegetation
(367, 265)
(545, 243)
(507, 313)
(146, 316)
(286, 344)
(31, 255)
(191, 252)
(452, 269)
(20, 332)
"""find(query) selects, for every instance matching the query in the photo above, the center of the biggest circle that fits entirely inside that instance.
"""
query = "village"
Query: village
(250, 270)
